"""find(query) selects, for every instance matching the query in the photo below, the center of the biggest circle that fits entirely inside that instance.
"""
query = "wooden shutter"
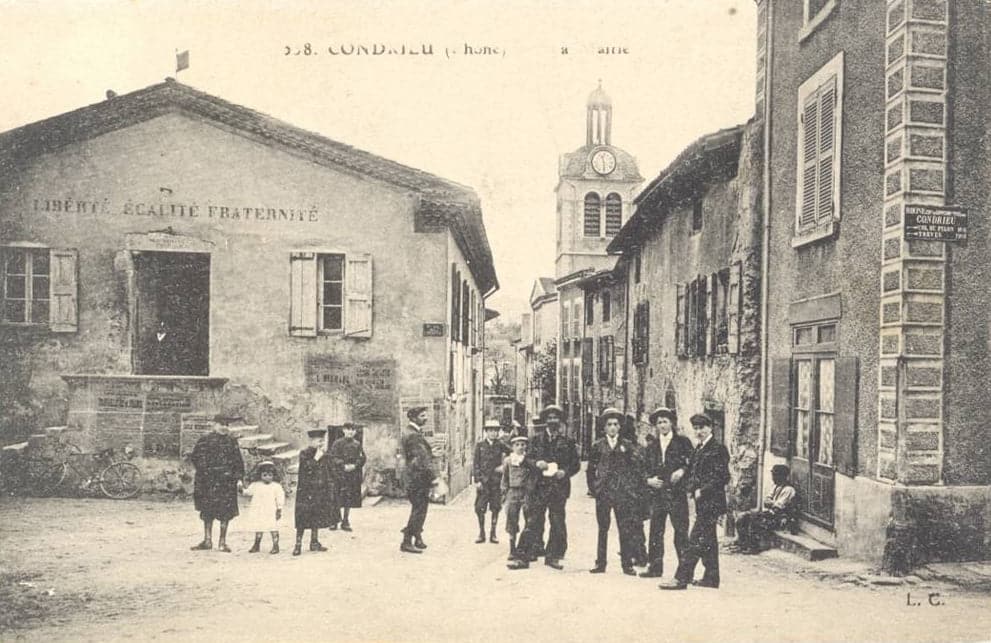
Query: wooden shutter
(645, 328)
(711, 319)
(63, 285)
(810, 158)
(733, 297)
(303, 294)
(455, 303)
(465, 313)
(358, 295)
(703, 318)
(588, 361)
(780, 438)
(680, 340)
(845, 418)
(826, 151)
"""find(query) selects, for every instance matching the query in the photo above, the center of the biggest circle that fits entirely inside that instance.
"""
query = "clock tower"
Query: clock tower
(595, 190)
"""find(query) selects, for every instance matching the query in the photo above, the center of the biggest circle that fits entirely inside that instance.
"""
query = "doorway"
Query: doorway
(171, 313)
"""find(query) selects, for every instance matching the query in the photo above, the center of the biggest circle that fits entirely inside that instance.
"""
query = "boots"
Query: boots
(275, 543)
(257, 546)
(481, 529)
(492, 530)
(418, 542)
(512, 547)
(407, 545)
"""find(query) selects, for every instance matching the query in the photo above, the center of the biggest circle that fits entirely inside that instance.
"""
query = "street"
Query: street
(123, 570)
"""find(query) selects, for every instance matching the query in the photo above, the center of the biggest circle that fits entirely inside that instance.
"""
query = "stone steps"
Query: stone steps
(272, 448)
(802, 545)
(254, 440)
(241, 431)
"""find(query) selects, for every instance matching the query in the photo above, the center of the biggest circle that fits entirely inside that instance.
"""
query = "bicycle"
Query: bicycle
(116, 479)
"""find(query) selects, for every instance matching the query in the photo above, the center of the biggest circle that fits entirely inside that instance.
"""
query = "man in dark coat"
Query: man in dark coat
(667, 460)
(487, 472)
(347, 459)
(314, 492)
(707, 479)
(556, 456)
(219, 477)
(419, 477)
(616, 474)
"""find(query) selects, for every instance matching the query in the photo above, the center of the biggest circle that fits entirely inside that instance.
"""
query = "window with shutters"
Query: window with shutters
(614, 214)
(39, 288)
(606, 359)
(707, 314)
(588, 361)
(465, 313)
(593, 215)
(576, 320)
(820, 101)
(641, 333)
(606, 306)
(455, 303)
(589, 309)
(330, 293)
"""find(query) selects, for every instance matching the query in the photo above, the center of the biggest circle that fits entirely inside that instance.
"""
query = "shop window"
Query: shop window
(39, 288)
(819, 123)
(330, 293)
(614, 214)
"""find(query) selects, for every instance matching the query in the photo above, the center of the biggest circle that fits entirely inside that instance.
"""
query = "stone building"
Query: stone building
(691, 262)
(168, 254)
(596, 185)
(877, 307)
(538, 342)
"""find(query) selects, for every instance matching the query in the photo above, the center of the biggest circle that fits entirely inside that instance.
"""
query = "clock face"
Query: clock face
(603, 162)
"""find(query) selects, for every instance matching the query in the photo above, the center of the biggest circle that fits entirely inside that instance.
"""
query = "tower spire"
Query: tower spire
(598, 124)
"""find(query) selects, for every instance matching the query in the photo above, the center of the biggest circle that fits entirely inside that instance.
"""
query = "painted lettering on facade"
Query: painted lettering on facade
(209, 211)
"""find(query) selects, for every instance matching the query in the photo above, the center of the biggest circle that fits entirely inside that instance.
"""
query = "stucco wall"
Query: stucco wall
(249, 273)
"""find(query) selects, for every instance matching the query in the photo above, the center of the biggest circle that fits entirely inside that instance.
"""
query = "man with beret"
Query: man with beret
(707, 479)
(419, 476)
(667, 459)
(556, 456)
(616, 474)
(487, 472)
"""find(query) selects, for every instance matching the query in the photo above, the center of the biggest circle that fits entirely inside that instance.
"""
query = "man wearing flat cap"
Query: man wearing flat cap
(707, 479)
(556, 456)
(487, 472)
(419, 476)
(616, 473)
(667, 460)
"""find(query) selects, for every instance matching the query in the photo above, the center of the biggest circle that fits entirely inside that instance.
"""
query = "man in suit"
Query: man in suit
(667, 460)
(419, 476)
(616, 473)
(550, 451)
(709, 473)
(487, 472)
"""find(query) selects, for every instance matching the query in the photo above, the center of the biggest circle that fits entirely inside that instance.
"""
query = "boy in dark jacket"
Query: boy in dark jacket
(347, 458)
(314, 492)
(487, 470)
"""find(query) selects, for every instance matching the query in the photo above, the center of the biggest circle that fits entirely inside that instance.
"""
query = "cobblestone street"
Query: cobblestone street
(123, 570)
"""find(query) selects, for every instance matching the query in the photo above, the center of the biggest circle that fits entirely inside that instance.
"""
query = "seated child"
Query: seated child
(753, 525)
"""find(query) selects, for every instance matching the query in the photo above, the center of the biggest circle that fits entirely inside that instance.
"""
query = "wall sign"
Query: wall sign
(935, 223)
(433, 330)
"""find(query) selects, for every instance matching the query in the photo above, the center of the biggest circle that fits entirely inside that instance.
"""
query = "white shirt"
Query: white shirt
(612, 441)
(705, 441)
(665, 442)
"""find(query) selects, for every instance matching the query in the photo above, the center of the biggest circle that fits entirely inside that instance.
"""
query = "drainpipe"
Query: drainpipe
(765, 249)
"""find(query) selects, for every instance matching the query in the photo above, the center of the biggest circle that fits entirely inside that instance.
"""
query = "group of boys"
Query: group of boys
(630, 482)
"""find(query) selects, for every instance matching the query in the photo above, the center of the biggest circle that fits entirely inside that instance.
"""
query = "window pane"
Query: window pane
(802, 435)
(332, 293)
(39, 312)
(826, 385)
(332, 318)
(15, 287)
(804, 377)
(825, 455)
(333, 268)
(39, 288)
(804, 336)
(13, 311)
(827, 333)
(15, 262)
(39, 262)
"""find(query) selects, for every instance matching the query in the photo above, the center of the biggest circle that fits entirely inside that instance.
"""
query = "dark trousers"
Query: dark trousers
(624, 523)
(515, 499)
(659, 514)
(419, 499)
(702, 545)
(488, 497)
(533, 533)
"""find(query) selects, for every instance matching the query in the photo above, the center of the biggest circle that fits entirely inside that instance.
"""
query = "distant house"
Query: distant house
(168, 254)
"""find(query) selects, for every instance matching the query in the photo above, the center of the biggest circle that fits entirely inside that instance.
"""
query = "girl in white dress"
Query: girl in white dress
(265, 512)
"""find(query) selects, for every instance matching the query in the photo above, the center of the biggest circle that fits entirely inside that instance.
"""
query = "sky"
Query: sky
(495, 122)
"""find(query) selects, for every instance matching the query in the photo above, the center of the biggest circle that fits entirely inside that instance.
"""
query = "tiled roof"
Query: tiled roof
(441, 201)
(700, 162)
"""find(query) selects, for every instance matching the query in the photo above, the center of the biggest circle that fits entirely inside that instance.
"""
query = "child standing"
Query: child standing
(517, 484)
(265, 512)
(347, 459)
(314, 492)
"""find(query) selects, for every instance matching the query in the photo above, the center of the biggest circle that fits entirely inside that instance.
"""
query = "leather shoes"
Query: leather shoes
(711, 584)
(651, 573)
(480, 539)
(629, 571)
(493, 539)
(598, 569)
(409, 549)
(554, 563)
(345, 526)
(203, 546)
(673, 585)
(518, 564)
(297, 550)
(418, 543)
(317, 547)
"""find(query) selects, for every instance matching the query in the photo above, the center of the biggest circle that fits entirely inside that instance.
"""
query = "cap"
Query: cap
(700, 419)
(316, 433)
(551, 408)
(612, 413)
(519, 438)
(663, 412)
(491, 424)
